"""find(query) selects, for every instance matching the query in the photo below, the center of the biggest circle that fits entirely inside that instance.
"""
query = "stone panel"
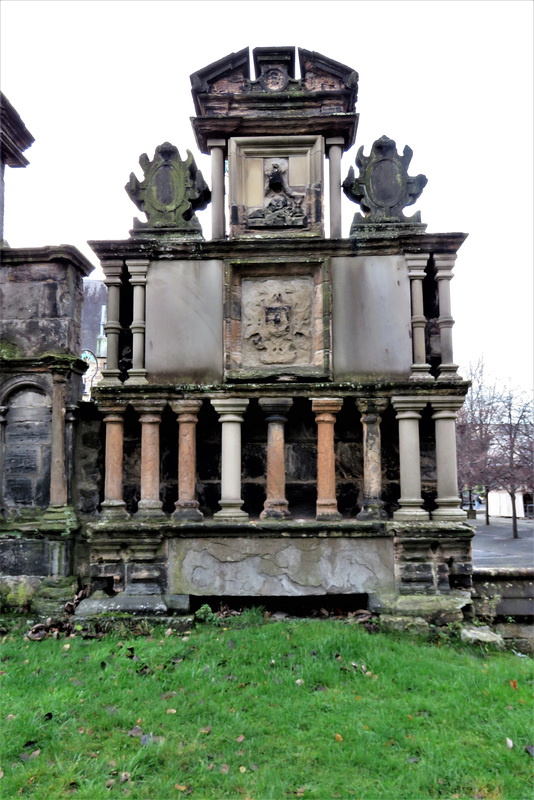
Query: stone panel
(371, 317)
(248, 566)
(184, 322)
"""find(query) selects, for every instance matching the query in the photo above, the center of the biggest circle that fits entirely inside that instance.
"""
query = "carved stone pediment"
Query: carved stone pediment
(172, 190)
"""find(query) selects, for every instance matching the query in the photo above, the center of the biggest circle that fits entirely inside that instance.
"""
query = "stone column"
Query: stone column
(230, 411)
(138, 270)
(113, 272)
(58, 474)
(3, 420)
(448, 499)
(217, 148)
(276, 408)
(373, 505)
(325, 409)
(70, 419)
(444, 264)
(335, 151)
(187, 504)
(114, 421)
(416, 263)
(408, 414)
(150, 419)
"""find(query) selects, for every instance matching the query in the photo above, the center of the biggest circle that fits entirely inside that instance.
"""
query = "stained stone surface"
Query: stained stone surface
(371, 317)
(271, 567)
(184, 321)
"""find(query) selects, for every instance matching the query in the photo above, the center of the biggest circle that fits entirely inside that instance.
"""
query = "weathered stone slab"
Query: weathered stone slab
(371, 317)
(249, 566)
(184, 304)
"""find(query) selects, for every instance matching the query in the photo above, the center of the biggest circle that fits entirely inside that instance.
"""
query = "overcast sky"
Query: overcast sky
(98, 83)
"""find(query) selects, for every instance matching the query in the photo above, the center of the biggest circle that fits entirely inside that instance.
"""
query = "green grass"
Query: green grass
(433, 723)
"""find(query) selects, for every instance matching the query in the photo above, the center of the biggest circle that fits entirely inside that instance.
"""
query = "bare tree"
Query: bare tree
(495, 438)
(511, 457)
(476, 429)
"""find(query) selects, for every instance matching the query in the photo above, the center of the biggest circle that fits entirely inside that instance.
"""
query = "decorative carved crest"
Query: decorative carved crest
(172, 190)
(383, 187)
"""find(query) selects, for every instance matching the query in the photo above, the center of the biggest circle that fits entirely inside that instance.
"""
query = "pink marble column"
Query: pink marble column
(150, 419)
(187, 504)
(114, 421)
(58, 474)
(325, 410)
(275, 506)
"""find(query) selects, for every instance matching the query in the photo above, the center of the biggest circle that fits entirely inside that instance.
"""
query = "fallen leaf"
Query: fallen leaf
(125, 776)
(1, 774)
(225, 769)
(412, 760)
(11, 716)
(135, 731)
(509, 743)
(66, 647)
(167, 695)
(530, 749)
(109, 783)
(168, 632)
(299, 682)
(410, 716)
(180, 787)
(338, 737)
(242, 769)
(513, 684)
(209, 766)
(254, 767)
(240, 738)
(171, 711)
(207, 729)
(81, 730)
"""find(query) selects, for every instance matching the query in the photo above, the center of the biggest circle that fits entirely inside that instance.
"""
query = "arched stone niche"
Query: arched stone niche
(26, 448)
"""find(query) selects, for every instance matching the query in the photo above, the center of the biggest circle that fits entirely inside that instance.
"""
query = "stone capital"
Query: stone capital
(155, 407)
(189, 408)
(211, 143)
(371, 406)
(402, 403)
(138, 269)
(416, 263)
(445, 406)
(444, 263)
(326, 405)
(276, 407)
(112, 271)
(230, 407)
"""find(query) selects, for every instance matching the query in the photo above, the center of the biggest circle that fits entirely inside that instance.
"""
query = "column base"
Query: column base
(114, 508)
(136, 377)
(421, 372)
(231, 509)
(150, 508)
(327, 510)
(110, 377)
(372, 509)
(60, 518)
(411, 515)
(275, 509)
(187, 510)
(449, 372)
(445, 512)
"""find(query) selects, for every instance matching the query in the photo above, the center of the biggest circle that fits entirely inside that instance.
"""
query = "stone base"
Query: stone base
(187, 510)
(114, 509)
(123, 603)
(438, 609)
(372, 509)
(260, 565)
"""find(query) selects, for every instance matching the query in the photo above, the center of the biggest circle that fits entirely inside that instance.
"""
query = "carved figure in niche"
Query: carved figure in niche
(277, 323)
(383, 187)
(171, 191)
(282, 208)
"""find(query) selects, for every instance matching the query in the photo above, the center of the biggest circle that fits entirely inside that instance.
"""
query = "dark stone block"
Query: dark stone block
(27, 432)
(24, 557)
(19, 491)
(301, 462)
(42, 490)
(21, 460)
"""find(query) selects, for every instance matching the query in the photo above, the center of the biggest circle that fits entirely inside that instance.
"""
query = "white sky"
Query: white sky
(98, 83)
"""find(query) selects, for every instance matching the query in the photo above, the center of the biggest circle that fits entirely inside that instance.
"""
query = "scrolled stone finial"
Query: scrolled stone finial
(172, 190)
(383, 188)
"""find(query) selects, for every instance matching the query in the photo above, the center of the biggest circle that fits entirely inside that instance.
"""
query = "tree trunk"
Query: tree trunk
(514, 516)
(486, 496)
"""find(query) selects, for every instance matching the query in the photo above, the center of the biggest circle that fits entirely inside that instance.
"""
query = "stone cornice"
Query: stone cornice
(14, 135)
(17, 256)
(366, 243)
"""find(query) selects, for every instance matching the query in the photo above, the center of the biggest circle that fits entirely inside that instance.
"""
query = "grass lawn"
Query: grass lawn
(263, 710)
